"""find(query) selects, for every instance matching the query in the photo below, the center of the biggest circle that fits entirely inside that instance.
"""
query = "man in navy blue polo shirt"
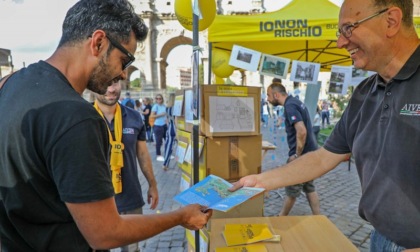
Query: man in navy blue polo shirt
(300, 140)
(132, 135)
(380, 126)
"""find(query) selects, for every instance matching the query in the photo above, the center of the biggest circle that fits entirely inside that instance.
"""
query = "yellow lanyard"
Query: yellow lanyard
(117, 147)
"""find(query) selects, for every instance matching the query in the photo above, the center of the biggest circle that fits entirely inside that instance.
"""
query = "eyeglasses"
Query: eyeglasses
(158, 98)
(346, 29)
(130, 56)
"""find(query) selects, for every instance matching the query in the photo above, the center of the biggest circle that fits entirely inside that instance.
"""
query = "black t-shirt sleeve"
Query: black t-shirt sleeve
(79, 165)
(337, 141)
(293, 114)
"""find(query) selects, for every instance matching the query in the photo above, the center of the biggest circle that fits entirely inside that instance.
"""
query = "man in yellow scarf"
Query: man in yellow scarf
(127, 135)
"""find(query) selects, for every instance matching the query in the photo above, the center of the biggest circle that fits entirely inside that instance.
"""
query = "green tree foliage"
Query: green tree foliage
(340, 102)
(136, 83)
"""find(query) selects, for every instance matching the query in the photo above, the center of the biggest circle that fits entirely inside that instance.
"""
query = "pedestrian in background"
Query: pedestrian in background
(170, 132)
(147, 110)
(139, 108)
(300, 140)
(325, 113)
(317, 123)
(159, 127)
(127, 101)
(265, 114)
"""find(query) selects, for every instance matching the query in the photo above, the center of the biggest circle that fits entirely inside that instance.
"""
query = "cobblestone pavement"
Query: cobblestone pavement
(339, 193)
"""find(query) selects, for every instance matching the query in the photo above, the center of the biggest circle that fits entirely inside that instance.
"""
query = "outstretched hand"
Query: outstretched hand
(247, 181)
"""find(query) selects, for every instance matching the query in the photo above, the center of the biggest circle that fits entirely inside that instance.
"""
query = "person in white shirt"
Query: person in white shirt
(316, 125)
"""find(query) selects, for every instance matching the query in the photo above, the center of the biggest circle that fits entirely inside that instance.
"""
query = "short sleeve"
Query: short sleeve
(337, 141)
(293, 114)
(79, 163)
(155, 108)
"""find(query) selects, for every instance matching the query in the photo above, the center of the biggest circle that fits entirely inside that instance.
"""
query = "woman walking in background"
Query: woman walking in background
(170, 132)
(159, 127)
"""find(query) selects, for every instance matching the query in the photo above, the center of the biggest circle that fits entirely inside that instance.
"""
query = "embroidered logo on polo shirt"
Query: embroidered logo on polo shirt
(410, 110)
(293, 118)
(128, 131)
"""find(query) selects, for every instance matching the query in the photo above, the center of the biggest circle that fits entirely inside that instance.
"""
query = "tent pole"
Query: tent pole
(210, 60)
(196, 109)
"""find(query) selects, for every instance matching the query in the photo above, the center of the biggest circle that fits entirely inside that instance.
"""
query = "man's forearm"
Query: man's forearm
(308, 167)
(301, 134)
(300, 143)
(145, 162)
(104, 228)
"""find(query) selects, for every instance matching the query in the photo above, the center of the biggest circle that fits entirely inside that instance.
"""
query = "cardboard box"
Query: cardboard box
(233, 157)
(227, 157)
(251, 208)
(230, 110)
(225, 110)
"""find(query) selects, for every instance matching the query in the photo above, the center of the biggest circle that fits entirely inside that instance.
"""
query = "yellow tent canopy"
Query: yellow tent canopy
(303, 30)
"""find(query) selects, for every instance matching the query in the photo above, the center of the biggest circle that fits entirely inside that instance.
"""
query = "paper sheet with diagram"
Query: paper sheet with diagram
(231, 114)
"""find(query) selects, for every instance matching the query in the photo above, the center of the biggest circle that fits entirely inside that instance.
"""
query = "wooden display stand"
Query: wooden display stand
(228, 145)
(298, 233)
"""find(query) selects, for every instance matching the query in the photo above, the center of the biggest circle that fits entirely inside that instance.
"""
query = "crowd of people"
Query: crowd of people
(159, 123)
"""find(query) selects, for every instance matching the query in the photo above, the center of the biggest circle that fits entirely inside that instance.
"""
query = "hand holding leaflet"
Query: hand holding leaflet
(213, 193)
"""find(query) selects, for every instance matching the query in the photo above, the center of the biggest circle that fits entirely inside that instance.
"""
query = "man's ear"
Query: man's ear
(394, 20)
(97, 44)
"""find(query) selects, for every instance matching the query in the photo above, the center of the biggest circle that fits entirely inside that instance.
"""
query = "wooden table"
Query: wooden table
(298, 233)
(266, 146)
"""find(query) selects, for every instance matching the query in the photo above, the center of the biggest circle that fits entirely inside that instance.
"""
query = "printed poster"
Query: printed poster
(231, 114)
